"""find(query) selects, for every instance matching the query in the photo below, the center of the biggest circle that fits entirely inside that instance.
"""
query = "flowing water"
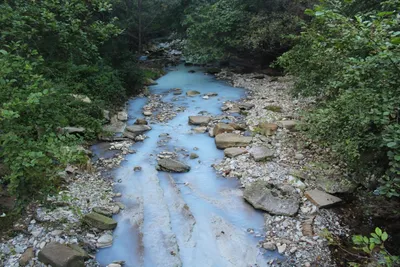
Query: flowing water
(192, 219)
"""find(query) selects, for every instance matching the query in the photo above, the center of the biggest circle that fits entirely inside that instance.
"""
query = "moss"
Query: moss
(274, 108)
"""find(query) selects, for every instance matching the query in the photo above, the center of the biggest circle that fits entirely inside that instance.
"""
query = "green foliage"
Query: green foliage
(351, 65)
(374, 246)
(50, 50)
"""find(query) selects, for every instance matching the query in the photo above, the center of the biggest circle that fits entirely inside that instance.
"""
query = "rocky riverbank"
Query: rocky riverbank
(283, 173)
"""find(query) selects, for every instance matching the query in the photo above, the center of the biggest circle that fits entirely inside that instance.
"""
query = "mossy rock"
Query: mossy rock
(99, 221)
(274, 108)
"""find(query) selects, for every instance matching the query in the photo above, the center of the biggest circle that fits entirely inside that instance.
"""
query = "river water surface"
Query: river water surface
(192, 219)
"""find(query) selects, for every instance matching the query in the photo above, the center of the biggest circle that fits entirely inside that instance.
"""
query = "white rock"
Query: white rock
(282, 248)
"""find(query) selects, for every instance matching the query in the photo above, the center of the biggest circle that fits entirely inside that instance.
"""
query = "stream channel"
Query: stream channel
(193, 219)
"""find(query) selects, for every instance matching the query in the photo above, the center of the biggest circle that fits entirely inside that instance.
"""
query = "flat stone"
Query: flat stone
(267, 129)
(171, 165)
(274, 199)
(269, 246)
(192, 93)
(80, 250)
(147, 113)
(122, 116)
(199, 120)
(321, 199)
(234, 152)
(200, 129)
(223, 128)
(26, 257)
(99, 221)
(105, 241)
(261, 153)
(103, 211)
(289, 125)
(227, 140)
(58, 255)
(138, 129)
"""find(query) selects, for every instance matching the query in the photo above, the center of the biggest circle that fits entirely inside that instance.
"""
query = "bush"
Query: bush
(351, 65)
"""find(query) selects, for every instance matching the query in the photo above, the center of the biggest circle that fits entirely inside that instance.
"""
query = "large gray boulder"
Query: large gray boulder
(99, 221)
(172, 165)
(277, 200)
(199, 120)
(58, 255)
(261, 153)
(227, 140)
(136, 130)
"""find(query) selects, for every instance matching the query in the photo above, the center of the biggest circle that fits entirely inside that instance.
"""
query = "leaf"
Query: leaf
(4, 52)
(378, 231)
(391, 144)
(309, 12)
(366, 240)
(395, 40)
(384, 236)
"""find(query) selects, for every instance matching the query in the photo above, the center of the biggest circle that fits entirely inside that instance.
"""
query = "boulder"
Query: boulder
(122, 116)
(192, 93)
(277, 200)
(234, 152)
(333, 185)
(238, 127)
(80, 250)
(58, 255)
(147, 113)
(199, 120)
(26, 257)
(149, 82)
(321, 199)
(171, 165)
(267, 129)
(138, 129)
(193, 156)
(105, 241)
(223, 128)
(227, 140)
(261, 153)
(103, 211)
(141, 122)
(289, 125)
(99, 221)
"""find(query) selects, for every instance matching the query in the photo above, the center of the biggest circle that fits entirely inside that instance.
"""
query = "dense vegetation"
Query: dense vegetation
(349, 58)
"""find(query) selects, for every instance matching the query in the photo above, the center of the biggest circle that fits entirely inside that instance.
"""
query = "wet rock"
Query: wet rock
(150, 82)
(105, 241)
(261, 153)
(122, 116)
(26, 257)
(234, 152)
(289, 125)
(199, 120)
(114, 265)
(137, 169)
(200, 129)
(177, 91)
(211, 94)
(277, 200)
(268, 129)
(99, 221)
(223, 128)
(269, 246)
(138, 129)
(192, 93)
(321, 199)
(227, 140)
(171, 165)
(194, 156)
(141, 122)
(58, 255)
(191, 71)
(333, 185)
(103, 211)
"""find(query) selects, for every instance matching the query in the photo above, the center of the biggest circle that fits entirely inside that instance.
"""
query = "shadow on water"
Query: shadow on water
(191, 219)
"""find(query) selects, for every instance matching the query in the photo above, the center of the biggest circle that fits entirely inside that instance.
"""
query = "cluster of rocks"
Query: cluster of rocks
(277, 168)
(158, 111)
